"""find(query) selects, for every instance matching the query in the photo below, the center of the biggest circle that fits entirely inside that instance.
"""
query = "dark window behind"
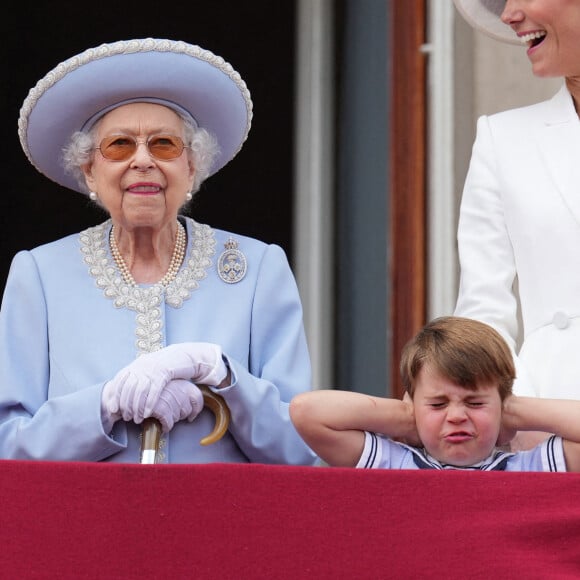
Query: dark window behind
(252, 195)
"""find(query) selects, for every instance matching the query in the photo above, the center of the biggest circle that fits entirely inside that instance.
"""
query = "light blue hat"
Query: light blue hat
(80, 90)
(485, 15)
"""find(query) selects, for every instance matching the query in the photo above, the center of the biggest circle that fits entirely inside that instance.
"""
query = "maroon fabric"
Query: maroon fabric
(222, 521)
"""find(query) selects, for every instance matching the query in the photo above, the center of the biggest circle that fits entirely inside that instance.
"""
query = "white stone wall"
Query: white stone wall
(504, 79)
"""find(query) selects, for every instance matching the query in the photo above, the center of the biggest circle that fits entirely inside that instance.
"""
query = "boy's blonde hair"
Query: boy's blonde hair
(465, 351)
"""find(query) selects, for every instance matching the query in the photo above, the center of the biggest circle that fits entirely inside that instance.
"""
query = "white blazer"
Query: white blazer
(519, 225)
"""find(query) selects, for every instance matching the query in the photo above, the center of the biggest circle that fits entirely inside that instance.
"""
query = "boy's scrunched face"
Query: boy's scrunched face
(457, 425)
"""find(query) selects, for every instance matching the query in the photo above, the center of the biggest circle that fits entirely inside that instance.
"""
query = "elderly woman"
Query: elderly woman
(123, 322)
(520, 212)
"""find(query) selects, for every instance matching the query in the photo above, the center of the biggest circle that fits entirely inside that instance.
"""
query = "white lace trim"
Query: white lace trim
(146, 301)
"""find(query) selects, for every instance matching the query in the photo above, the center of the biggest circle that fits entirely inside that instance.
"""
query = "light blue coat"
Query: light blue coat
(68, 323)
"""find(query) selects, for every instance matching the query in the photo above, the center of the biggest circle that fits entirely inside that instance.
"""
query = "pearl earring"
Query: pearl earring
(188, 196)
(93, 196)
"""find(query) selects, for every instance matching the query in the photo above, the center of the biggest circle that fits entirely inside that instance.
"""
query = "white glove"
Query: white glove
(108, 396)
(179, 400)
(134, 391)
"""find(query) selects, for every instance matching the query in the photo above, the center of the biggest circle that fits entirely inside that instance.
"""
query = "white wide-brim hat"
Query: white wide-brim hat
(78, 91)
(485, 15)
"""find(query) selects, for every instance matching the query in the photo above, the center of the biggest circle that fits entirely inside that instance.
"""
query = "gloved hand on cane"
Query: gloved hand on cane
(179, 400)
(134, 393)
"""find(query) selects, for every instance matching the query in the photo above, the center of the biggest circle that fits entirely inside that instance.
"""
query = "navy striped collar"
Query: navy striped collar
(497, 461)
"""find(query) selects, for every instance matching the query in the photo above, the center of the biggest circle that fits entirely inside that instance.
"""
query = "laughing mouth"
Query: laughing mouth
(533, 38)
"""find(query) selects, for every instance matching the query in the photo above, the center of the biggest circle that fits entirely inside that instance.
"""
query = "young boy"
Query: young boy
(458, 375)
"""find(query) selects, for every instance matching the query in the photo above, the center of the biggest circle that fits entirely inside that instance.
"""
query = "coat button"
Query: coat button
(561, 320)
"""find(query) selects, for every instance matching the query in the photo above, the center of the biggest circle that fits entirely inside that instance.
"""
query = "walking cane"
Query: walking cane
(152, 427)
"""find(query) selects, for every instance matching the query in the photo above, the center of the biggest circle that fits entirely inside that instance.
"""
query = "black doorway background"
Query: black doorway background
(252, 195)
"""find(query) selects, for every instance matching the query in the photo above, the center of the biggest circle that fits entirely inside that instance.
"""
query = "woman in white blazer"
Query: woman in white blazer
(120, 323)
(519, 224)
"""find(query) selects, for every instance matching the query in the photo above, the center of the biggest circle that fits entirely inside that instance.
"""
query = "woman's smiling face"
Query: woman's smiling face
(551, 29)
(141, 191)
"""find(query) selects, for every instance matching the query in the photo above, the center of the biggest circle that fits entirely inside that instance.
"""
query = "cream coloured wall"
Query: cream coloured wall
(503, 77)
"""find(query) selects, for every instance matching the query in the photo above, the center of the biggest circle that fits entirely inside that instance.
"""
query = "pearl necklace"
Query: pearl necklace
(174, 265)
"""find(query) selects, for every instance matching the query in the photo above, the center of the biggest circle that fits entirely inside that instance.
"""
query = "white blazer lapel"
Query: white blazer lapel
(559, 145)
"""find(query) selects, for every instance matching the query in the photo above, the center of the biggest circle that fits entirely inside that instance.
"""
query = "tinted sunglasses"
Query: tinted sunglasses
(123, 147)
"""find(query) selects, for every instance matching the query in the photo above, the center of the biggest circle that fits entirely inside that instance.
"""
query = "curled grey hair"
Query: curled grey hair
(203, 149)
